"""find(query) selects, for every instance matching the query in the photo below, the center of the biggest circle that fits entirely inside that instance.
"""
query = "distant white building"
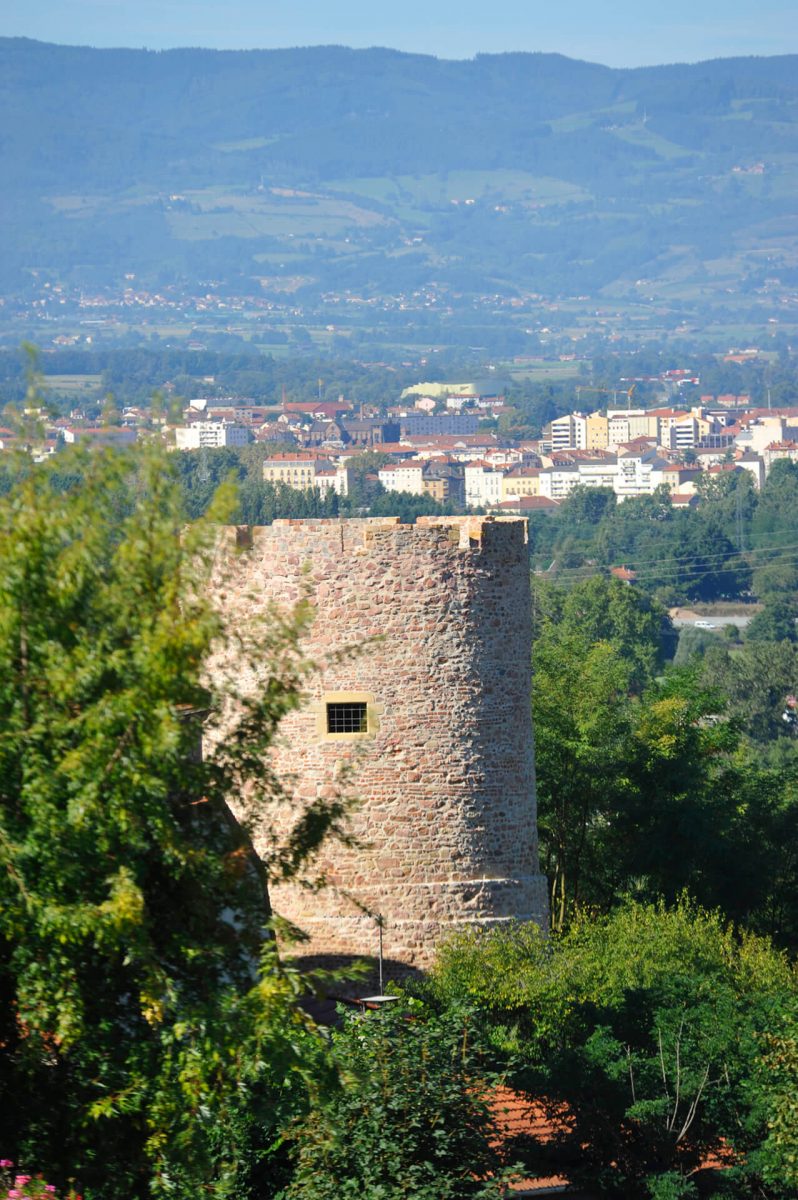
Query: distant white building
(403, 477)
(762, 432)
(603, 473)
(569, 432)
(637, 474)
(483, 486)
(211, 434)
(558, 482)
(335, 479)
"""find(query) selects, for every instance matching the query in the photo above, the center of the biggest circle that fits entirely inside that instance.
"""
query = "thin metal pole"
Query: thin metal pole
(380, 923)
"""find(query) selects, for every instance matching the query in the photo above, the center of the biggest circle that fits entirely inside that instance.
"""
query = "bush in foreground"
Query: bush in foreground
(651, 1029)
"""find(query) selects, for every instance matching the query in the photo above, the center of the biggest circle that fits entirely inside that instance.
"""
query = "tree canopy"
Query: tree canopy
(139, 986)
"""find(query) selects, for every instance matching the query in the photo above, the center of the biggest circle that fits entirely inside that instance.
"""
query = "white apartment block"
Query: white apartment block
(483, 486)
(336, 479)
(211, 434)
(403, 477)
(601, 474)
(557, 482)
(569, 432)
(762, 432)
(636, 475)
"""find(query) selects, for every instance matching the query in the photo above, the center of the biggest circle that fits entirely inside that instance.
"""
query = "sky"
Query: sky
(619, 33)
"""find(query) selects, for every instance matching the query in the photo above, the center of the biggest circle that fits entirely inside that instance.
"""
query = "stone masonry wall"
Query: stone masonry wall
(440, 614)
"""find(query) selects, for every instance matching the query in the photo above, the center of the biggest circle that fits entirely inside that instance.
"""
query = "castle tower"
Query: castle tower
(432, 713)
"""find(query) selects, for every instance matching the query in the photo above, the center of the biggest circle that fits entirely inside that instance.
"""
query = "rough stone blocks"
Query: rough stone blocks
(438, 694)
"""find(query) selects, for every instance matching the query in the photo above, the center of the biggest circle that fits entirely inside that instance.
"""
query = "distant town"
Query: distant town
(442, 440)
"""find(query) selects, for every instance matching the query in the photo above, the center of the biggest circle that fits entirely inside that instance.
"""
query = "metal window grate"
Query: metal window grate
(347, 718)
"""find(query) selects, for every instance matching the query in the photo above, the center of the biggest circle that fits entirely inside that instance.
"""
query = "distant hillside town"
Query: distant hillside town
(443, 440)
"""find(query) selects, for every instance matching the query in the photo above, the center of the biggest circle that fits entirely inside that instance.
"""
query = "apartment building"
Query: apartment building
(335, 479)
(296, 470)
(211, 434)
(624, 425)
(558, 482)
(483, 485)
(521, 481)
(596, 432)
(569, 432)
(403, 477)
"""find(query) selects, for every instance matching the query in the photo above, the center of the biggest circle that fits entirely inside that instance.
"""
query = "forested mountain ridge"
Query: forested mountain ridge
(329, 109)
(519, 170)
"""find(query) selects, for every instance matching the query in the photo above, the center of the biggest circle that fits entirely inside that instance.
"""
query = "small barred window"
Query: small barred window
(347, 718)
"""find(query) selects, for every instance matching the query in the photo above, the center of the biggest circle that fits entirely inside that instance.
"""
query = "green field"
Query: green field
(640, 135)
(415, 191)
(541, 371)
(583, 120)
(216, 212)
(208, 213)
(73, 384)
(253, 143)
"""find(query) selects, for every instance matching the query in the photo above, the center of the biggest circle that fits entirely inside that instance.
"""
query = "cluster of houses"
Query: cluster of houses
(443, 441)
(444, 445)
(42, 437)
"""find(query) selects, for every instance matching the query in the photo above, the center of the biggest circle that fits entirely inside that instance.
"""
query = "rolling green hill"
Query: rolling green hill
(325, 169)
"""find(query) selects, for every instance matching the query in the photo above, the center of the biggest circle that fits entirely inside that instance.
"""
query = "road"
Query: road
(718, 620)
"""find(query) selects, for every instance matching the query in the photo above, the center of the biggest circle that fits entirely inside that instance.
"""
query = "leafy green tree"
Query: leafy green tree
(693, 643)
(776, 1087)
(595, 647)
(775, 622)
(653, 793)
(728, 502)
(775, 521)
(583, 724)
(643, 1033)
(636, 626)
(201, 473)
(684, 815)
(776, 577)
(411, 1117)
(587, 506)
(756, 680)
(146, 1029)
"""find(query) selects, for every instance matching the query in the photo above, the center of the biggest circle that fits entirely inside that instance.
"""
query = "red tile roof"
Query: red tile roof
(515, 1116)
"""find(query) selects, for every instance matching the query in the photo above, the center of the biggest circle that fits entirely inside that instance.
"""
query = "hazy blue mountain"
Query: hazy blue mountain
(371, 169)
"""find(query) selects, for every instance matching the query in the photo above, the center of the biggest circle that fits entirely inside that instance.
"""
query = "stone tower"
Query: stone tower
(432, 712)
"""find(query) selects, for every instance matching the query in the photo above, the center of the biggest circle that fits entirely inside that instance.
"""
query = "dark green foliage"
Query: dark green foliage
(693, 643)
(776, 1089)
(136, 375)
(679, 556)
(146, 1030)
(775, 521)
(646, 1030)
(774, 623)
(411, 1118)
(736, 542)
(756, 679)
(637, 628)
(656, 784)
